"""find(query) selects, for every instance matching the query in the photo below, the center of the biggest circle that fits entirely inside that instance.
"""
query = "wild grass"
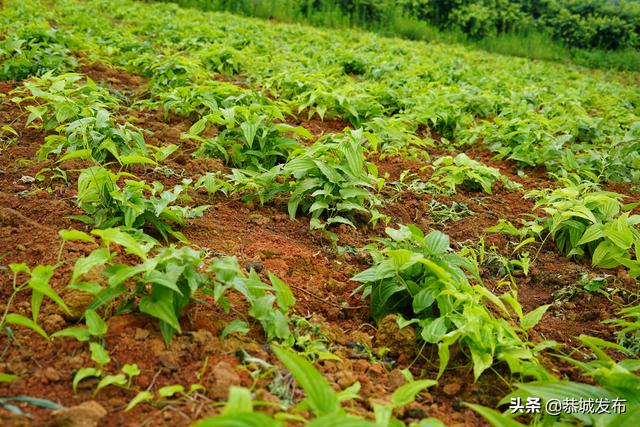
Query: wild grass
(393, 22)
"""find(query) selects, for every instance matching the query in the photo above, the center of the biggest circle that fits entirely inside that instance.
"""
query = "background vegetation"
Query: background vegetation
(593, 33)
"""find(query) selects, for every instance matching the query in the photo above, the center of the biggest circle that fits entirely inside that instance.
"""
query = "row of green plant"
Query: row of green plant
(330, 180)
(391, 88)
(33, 49)
(417, 276)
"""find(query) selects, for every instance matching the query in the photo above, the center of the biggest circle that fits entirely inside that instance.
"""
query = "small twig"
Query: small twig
(153, 380)
(369, 325)
(198, 410)
(417, 356)
(342, 307)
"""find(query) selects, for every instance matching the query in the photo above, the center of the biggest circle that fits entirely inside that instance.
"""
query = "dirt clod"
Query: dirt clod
(169, 360)
(52, 374)
(222, 377)
(396, 379)
(141, 334)
(77, 301)
(86, 414)
(53, 323)
(398, 341)
(451, 389)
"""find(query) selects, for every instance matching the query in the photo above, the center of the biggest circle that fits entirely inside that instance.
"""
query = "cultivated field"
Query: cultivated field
(203, 215)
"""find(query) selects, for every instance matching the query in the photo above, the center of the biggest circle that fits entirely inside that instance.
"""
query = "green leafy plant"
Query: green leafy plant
(443, 213)
(79, 110)
(168, 279)
(98, 138)
(101, 358)
(167, 393)
(517, 263)
(161, 286)
(222, 60)
(629, 324)
(421, 277)
(586, 221)
(213, 183)
(56, 100)
(33, 50)
(615, 381)
(8, 137)
(249, 139)
(333, 180)
(269, 304)
(95, 328)
(321, 400)
(202, 99)
(133, 205)
(38, 284)
(471, 174)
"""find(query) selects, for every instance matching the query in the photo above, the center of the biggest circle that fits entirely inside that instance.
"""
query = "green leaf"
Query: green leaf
(143, 396)
(96, 326)
(77, 332)
(115, 235)
(78, 154)
(284, 296)
(422, 300)
(382, 414)
(162, 309)
(136, 159)
(107, 294)
(39, 282)
(239, 401)
(170, 390)
(594, 232)
(67, 235)
(253, 419)
(118, 379)
(443, 355)
(43, 403)
(7, 378)
(99, 354)
(235, 326)
(433, 330)
(84, 265)
(436, 242)
(84, 373)
(605, 255)
(198, 126)
(532, 318)
(482, 360)
(88, 287)
(19, 268)
(406, 393)
(11, 408)
(131, 370)
(340, 220)
(323, 400)
(18, 319)
(494, 418)
(298, 130)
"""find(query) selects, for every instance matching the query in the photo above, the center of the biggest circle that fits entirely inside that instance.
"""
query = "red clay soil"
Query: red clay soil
(116, 79)
(263, 238)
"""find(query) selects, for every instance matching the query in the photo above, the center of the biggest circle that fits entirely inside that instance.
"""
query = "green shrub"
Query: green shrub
(420, 277)
(134, 205)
